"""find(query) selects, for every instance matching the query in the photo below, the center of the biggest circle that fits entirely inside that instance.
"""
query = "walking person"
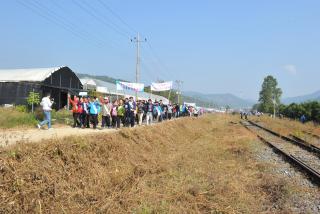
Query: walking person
(127, 112)
(132, 113)
(120, 114)
(140, 108)
(75, 113)
(106, 112)
(94, 111)
(46, 104)
(177, 110)
(86, 113)
(114, 113)
(169, 111)
(149, 111)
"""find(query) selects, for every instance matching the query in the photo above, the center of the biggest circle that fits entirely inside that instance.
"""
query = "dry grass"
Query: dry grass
(190, 165)
(286, 127)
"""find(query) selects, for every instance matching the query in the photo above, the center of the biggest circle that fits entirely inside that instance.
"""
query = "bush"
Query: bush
(21, 108)
(311, 110)
(62, 116)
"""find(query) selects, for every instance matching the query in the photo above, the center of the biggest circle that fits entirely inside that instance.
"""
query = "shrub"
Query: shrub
(21, 108)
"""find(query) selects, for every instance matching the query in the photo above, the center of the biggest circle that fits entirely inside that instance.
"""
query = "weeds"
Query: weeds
(170, 170)
(18, 117)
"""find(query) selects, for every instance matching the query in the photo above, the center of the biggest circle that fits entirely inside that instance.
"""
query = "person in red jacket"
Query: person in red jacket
(75, 110)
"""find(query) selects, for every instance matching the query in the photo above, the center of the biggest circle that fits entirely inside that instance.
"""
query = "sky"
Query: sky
(212, 46)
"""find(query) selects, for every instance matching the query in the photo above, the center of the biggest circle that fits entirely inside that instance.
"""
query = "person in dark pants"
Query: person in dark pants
(75, 110)
(127, 112)
(114, 113)
(106, 112)
(133, 107)
(170, 111)
(86, 114)
(94, 111)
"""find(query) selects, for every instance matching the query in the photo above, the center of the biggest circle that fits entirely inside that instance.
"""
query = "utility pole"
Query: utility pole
(138, 41)
(179, 84)
(274, 106)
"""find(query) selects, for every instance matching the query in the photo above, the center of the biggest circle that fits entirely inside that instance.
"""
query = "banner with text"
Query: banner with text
(138, 87)
(162, 86)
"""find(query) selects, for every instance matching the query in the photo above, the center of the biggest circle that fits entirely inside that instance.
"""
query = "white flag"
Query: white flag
(139, 87)
(163, 86)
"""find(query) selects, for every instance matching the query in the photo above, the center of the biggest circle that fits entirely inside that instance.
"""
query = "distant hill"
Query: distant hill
(220, 100)
(300, 99)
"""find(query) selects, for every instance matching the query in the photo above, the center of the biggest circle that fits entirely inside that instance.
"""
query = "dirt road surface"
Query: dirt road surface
(9, 137)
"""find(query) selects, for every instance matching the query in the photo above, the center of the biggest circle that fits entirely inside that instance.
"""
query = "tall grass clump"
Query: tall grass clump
(12, 117)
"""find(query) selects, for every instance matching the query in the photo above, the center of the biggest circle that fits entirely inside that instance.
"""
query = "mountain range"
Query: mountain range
(304, 98)
(220, 100)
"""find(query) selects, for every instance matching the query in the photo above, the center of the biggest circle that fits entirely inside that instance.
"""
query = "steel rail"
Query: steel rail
(299, 142)
(312, 173)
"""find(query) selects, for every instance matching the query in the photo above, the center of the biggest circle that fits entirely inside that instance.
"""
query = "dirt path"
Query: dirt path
(9, 137)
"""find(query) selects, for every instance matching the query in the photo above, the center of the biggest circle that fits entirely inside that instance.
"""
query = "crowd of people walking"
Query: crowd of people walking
(91, 111)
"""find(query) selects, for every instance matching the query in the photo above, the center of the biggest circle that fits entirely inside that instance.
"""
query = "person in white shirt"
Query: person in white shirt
(46, 104)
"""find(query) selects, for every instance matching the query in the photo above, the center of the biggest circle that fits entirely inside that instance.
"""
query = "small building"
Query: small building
(16, 84)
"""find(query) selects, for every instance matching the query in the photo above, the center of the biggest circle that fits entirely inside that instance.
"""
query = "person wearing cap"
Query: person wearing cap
(106, 112)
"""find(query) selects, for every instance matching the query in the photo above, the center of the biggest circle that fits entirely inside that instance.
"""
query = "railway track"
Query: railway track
(300, 156)
(293, 139)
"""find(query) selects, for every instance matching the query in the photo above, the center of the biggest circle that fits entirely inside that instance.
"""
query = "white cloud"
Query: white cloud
(291, 69)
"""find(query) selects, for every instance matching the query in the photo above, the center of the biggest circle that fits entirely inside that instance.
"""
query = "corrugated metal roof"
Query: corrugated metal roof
(28, 74)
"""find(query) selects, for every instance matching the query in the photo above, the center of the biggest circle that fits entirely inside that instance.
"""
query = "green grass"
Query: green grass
(15, 118)
(10, 118)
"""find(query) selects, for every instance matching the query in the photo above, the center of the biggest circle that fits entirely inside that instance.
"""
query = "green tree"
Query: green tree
(269, 93)
(33, 99)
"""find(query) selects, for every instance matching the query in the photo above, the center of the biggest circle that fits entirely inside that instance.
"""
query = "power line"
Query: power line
(33, 6)
(156, 65)
(117, 16)
(93, 14)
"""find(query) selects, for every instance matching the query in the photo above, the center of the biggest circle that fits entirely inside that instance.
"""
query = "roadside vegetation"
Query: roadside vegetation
(286, 126)
(191, 165)
(269, 102)
(20, 117)
(311, 111)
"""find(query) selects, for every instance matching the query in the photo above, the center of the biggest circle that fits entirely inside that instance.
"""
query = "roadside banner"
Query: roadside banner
(190, 104)
(162, 86)
(137, 87)
(103, 90)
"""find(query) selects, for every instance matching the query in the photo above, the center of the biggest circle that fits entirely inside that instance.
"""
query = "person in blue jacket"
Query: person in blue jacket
(94, 106)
